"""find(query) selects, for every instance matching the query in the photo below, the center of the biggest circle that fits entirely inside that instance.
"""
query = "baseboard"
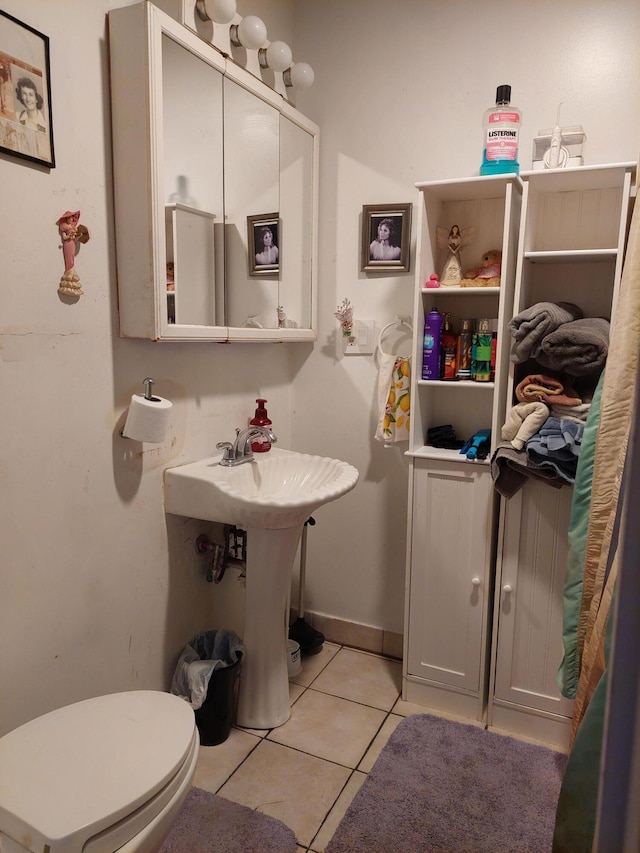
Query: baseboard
(355, 635)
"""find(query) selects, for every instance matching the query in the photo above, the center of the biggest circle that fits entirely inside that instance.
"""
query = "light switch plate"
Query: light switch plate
(364, 339)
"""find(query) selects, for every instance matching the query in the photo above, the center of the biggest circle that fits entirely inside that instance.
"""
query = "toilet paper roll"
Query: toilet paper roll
(147, 420)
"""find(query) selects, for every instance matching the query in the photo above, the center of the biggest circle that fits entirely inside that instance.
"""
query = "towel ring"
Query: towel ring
(399, 322)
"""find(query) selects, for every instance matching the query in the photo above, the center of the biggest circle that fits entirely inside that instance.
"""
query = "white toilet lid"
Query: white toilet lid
(76, 771)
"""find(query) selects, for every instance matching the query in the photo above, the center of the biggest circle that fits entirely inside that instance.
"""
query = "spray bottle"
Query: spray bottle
(260, 443)
(501, 133)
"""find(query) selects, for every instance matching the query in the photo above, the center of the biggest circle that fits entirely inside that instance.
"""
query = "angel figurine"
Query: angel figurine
(71, 233)
(454, 240)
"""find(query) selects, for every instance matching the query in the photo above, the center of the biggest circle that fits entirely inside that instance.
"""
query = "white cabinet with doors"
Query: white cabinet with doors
(485, 576)
(452, 505)
(571, 247)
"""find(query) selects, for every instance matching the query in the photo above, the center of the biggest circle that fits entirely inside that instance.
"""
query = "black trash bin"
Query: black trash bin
(215, 716)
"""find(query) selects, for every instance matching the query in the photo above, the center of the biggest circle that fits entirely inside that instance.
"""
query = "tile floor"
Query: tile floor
(345, 705)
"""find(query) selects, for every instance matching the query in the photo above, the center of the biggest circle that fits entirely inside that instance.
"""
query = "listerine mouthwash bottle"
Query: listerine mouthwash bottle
(501, 133)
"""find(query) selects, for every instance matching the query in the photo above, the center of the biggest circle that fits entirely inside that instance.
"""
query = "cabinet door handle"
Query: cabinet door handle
(507, 588)
(476, 581)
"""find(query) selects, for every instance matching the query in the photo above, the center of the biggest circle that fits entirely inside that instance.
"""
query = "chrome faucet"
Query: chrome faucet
(240, 451)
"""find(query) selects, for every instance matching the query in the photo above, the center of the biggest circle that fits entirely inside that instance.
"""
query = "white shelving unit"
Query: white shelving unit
(572, 240)
(452, 506)
(485, 576)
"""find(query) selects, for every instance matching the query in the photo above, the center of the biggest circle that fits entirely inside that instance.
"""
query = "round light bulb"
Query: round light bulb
(278, 56)
(219, 11)
(299, 75)
(251, 32)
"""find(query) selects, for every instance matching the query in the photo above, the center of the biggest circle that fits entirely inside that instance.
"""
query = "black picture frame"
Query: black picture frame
(393, 253)
(26, 126)
(261, 259)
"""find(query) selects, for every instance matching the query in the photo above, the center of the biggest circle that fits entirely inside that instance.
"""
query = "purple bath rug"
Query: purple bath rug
(210, 824)
(444, 787)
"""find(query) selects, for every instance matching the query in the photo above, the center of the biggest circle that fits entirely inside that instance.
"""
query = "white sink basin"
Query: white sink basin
(278, 489)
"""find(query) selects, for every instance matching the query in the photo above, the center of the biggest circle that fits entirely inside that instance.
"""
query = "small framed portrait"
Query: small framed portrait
(265, 251)
(386, 237)
(25, 92)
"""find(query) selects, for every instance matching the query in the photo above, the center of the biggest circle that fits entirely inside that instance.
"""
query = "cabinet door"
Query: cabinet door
(529, 602)
(450, 558)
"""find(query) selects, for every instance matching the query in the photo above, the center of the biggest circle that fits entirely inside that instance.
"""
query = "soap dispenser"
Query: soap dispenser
(260, 443)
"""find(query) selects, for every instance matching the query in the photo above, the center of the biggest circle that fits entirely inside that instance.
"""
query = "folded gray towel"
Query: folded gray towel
(511, 468)
(577, 348)
(530, 326)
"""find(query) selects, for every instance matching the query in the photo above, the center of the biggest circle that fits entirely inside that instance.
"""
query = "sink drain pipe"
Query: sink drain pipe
(309, 639)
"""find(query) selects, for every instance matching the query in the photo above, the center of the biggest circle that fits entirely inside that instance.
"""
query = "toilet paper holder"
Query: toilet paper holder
(148, 382)
(148, 398)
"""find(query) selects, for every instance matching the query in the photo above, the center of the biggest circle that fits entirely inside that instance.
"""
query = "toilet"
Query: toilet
(101, 775)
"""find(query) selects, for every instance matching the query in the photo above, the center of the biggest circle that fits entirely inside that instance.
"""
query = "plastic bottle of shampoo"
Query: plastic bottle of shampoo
(501, 133)
(260, 443)
(431, 345)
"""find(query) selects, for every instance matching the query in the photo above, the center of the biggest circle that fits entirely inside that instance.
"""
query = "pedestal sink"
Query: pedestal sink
(270, 497)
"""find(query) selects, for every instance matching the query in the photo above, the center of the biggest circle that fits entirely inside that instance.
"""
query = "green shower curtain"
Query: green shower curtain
(588, 637)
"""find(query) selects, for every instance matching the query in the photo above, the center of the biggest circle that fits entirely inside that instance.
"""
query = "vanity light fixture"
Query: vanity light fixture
(277, 56)
(299, 75)
(218, 11)
(250, 33)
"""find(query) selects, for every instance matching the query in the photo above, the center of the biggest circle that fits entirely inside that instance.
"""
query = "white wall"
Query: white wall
(99, 589)
(400, 91)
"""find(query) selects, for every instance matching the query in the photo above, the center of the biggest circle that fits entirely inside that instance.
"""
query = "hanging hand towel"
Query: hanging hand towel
(394, 399)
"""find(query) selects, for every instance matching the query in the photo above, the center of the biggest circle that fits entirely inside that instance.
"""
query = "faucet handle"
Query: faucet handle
(228, 450)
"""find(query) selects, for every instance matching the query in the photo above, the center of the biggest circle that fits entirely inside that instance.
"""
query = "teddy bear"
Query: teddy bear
(487, 274)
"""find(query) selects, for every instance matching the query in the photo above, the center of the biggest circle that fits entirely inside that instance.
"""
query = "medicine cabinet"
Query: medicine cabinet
(203, 152)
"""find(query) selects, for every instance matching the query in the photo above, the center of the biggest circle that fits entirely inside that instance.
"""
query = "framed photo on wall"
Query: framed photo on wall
(25, 92)
(386, 237)
(263, 233)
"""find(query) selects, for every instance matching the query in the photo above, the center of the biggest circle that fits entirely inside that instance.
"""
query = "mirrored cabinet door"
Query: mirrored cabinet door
(216, 191)
(297, 169)
(252, 204)
(193, 183)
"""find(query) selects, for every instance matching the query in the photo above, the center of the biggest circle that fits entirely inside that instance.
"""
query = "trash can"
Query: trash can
(206, 676)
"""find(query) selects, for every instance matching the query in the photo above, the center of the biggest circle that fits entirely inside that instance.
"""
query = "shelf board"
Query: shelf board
(567, 256)
(578, 178)
(478, 187)
(455, 383)
(442, 454)
(460, 291)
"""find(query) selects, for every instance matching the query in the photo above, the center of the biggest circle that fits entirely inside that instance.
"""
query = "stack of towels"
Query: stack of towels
(559, 337)
(542, 434)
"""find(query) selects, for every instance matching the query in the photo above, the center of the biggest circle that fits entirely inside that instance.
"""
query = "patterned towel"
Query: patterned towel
(394, 398)
(530, 326)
